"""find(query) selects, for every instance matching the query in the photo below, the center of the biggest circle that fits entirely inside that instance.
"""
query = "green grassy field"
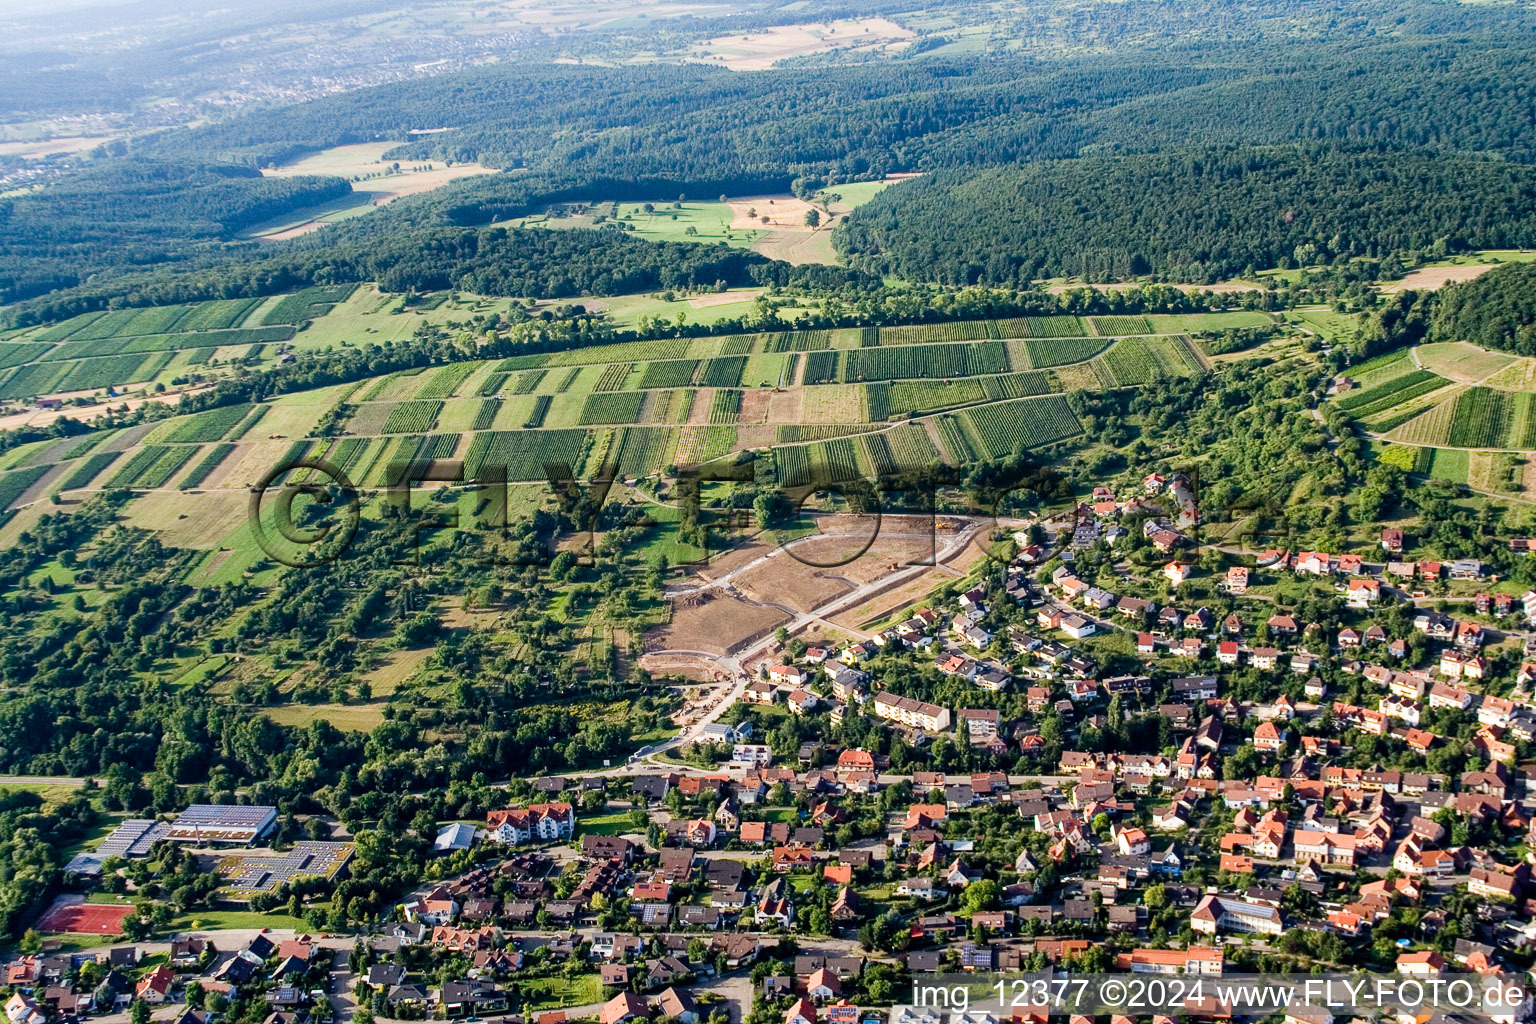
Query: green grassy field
(1331, 325)
(1194, 323)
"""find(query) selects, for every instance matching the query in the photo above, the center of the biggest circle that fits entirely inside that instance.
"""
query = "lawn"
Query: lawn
(606, 825)
(1450, 464)
(218, 920)
(550, 993)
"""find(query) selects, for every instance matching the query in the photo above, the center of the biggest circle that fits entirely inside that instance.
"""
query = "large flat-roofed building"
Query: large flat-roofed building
(222, 824)
(246, 874)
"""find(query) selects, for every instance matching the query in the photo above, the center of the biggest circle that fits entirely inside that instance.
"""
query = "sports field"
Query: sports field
(79, 918)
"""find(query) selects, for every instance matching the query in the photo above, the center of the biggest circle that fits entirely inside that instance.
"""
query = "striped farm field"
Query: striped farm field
(611, 407)
(612, 377)
(528, 381)
(676, 373)
(700, 444)
(820, 367)
(953, 436)
(81, 349)
(624, 351)
(88, 469)
(1118, 326)
(212, 425)
(917, 397)
(792, 466)
(307, 304)
(526, 454)
(911, 447)
(1008, 427)
(437, 446)
(1395, 391)
(917, 361)
(1432, 427)
(791, 433)
(16, 353)
(918, 334)
(1039, 354)
(538, 411)
(485, 414)
(1482, 419)
(444, 382)
(15, 483)
(877, 452)
(137, 465)
(643, 450)
(413, 417)
(1041, 327)
(724, 372)
(877, 401)
(1016, 385)
(835, 461)
(1196, 323)
(1143, 360)
(663, 407)
(208, 463)
(1382, 368)
(783, 341)
(725, 406)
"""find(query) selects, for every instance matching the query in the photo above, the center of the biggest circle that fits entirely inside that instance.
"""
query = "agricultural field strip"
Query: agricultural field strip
(695, 360)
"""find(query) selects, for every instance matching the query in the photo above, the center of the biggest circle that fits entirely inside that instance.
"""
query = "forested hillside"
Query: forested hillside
(486, 261)
(1410, 75)
(1196, 215)
(134, 213)
(1497, 310)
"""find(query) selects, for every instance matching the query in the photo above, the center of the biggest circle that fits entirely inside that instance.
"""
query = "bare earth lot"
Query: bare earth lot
(715, 624)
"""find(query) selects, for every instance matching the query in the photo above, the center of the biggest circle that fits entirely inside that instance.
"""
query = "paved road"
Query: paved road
(70, 781)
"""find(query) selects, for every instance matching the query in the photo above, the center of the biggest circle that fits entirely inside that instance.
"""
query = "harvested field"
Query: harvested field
(783, 407)
(755, 406)
(1435, 277)
(181, 519)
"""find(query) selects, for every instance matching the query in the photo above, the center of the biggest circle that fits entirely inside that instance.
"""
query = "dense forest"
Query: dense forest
(133, 213)
(1496, 310)
(486, 261)
(1410, 76)
(1194, 215)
